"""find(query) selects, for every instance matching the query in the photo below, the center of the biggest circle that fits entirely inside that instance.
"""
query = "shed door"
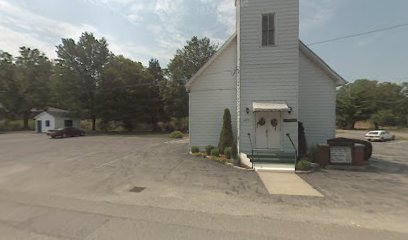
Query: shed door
(39, 126)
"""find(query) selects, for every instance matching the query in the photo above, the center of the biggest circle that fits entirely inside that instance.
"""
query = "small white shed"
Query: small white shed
(54, 118)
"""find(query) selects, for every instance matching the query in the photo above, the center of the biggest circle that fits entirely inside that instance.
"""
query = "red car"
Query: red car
(65, 132)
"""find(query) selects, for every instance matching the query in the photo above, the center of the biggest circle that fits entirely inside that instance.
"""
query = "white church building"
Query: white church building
(270, 81)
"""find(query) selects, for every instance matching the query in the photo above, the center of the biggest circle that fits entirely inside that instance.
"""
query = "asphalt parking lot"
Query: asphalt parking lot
(104, 165)
(78, 188)
(380, 187)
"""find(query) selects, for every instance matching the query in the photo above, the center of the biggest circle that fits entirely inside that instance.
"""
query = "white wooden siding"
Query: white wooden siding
(211, 93)
(317, 102)
(43, 117)
(60, 122)
(269, 73)
(55, 122)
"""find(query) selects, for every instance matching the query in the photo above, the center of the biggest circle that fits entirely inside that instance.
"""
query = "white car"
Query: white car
(379, 135)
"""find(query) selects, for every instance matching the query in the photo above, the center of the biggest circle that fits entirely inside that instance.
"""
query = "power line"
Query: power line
(360, 34)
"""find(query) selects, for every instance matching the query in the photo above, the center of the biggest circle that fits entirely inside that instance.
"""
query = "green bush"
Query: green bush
(176, 134)
(215, 152)
(304, 165)
(228, 152)
(208, 149)
(226, 135)
(195, 149)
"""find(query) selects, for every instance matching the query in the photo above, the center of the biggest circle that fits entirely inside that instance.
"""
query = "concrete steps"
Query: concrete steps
(270, 160)
(276, 167)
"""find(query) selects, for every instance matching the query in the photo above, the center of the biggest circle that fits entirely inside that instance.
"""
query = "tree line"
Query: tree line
(92, 82)
(382, 103)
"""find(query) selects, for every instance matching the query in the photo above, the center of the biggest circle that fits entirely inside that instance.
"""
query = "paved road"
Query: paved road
(79, 189)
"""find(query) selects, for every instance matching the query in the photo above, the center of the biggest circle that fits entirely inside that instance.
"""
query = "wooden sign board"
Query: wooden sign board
(341, 155)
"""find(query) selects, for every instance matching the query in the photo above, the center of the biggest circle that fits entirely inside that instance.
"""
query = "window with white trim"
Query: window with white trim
(268, 29)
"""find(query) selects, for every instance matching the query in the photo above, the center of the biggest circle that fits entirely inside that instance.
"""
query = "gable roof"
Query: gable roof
(302, 47)
(53, 109)
(56, 113)
(210, 61)
(322, 64)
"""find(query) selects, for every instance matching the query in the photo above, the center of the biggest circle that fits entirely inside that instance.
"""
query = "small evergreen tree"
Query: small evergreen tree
(226, 136)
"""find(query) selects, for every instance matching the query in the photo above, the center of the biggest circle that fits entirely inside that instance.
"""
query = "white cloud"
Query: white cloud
(12, 40)
(27, 20)
(223, 10)
(136, 11)
(316, 13)
(20, 27)
(226, 14)
(167, 27)
(168, 7)
(134, 18)
(111, 2)
(163, 19)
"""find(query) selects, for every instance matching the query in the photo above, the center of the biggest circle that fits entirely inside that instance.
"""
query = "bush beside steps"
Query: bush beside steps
(215, 152)
(208, 149)
(228, 152)
(303, 165)
(230, 156)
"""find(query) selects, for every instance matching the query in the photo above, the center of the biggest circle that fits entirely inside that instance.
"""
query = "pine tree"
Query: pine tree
(226, 136)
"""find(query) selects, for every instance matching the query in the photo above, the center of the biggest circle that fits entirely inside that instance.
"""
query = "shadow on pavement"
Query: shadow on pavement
(386, 166)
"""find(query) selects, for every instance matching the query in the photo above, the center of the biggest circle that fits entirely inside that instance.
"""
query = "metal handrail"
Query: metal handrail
(294, 147)
(252, 150)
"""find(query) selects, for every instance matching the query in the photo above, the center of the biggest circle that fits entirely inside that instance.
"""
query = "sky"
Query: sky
(144, 29)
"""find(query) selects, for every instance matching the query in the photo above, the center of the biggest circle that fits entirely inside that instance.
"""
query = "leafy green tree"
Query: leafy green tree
(226, 136)
(390, 97)
(383, 103)
(25, 83)
(181, 68)
(404, 111)
(158, 81)
(7, 83)
(80, 66)
(384, 117)
(122, 95)
(355, 102)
